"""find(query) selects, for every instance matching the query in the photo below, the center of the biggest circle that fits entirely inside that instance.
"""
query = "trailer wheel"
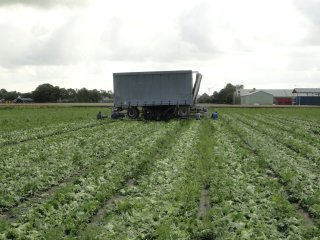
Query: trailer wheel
(183, 112)
(133, 112)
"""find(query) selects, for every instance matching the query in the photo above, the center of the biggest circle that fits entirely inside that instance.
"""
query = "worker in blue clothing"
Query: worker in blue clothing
(117, 115)
(214, 116)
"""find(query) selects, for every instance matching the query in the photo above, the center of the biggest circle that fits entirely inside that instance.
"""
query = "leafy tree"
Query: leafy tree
(27, 95)
(214, 98)
(103, 93)
(55, 95)
(110, 94)
(63, 94)
(72, 94)
(106, 94)
(85, 95)
(94, 95)
(46, 93)
(82, 95)
(9, 96)
(225, 95)
(3, 93)
(204, 98)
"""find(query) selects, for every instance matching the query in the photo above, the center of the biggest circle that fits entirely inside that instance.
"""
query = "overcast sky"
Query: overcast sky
(80, 43)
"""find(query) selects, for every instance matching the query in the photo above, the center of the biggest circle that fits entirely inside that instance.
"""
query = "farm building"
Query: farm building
(257, 98)
(306, 96)
(279, 96)
(23, 100)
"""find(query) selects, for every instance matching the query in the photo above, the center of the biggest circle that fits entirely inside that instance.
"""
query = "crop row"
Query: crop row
(72, 206)
(18, 136)
(300, 178)
(37, 165)
(241, 177)
(293, 141)
(163, 204)
(311, 126)
(296, 131)
(292, 146)
(246, 202)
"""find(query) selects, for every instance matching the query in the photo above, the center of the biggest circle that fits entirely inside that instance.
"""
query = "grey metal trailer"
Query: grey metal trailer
(157, 95)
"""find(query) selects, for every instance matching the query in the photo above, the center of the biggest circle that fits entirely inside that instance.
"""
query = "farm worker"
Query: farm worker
(114, 115)
(215, 116)
(198, 116)
(99, 115)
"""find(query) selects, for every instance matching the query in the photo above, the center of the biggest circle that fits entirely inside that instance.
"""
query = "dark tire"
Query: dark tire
(183, 112)
(133, 113)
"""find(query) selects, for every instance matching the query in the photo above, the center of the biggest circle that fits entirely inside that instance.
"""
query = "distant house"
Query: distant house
(106, 100)
(2, 100)
(280, 96)
(257, 98)
(306, 96)
(23, 100)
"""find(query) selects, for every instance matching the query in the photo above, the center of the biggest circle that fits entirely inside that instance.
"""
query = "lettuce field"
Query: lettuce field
(252, 174)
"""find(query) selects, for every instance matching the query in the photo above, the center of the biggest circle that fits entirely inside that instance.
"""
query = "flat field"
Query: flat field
(252, 174)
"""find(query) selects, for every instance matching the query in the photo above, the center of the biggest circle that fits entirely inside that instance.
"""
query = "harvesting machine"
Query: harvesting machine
(156, 95)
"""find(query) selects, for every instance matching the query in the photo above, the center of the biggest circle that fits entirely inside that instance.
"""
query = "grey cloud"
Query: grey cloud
(196, 28)
(311, 10)
(43, 3)
(63, 46)
(189, 38)
(305, 59)
(14, 45)
(161, 46)
(314, 37)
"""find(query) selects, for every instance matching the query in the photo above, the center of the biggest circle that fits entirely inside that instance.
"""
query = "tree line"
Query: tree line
(224, 96)
(48, 93)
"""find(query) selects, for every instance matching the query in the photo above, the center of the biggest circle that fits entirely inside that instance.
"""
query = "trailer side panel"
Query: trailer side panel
(153, 88)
